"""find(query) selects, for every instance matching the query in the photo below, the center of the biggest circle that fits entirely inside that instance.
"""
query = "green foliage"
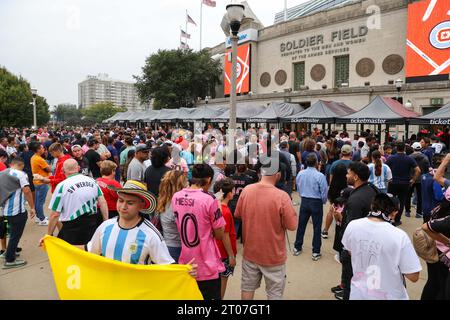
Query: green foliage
(16, 107)
(101, 111)
(176, 78)
(68, 113)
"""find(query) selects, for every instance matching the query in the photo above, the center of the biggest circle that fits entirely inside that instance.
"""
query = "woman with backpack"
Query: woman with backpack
(438, 228)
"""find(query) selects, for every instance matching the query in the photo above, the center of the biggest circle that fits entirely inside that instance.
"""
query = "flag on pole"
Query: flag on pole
(190, 20)
(184, 45)
(185, 35)
(209, 3)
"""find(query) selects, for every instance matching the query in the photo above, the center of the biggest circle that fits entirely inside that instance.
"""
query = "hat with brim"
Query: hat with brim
(138, 189)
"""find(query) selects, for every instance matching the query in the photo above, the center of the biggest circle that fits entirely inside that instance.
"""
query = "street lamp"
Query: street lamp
(235, 14)
(398, 85)
(34, 94)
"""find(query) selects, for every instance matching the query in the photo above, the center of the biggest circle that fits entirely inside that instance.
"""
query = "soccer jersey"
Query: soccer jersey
(75, 196)
(142, 244)
(197, 214)
(15, 203)
(381, 181)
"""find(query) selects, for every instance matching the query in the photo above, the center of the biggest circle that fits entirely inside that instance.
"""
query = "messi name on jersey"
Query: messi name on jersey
(185, 202)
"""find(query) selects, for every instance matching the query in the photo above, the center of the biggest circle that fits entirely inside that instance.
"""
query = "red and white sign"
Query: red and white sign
(242, 70)
(428, 42)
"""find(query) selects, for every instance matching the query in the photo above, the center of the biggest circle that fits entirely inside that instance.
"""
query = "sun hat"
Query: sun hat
(138, 189)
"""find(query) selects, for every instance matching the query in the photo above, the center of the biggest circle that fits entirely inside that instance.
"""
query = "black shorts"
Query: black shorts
(2, 227)
(79, 231)
(229, 270)
(210, 289)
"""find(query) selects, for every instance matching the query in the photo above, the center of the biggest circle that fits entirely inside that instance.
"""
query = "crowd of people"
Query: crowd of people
(166, 195)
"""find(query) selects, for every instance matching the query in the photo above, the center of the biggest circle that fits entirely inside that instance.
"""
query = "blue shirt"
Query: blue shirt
(401, 166)
(345, 162)
(432, 194)
(312, 184)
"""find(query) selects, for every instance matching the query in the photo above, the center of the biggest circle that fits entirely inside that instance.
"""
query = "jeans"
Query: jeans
(310, 208)
(41, 195)
(117, 176)
(400, 191)
(175, 253)
(418, 187)
(16, 227)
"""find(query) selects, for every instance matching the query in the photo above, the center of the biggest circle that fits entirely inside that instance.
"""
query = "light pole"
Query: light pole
(235, 14)
(398, 85)
(34, 93)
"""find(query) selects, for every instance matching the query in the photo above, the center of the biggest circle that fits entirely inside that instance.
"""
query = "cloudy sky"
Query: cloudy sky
(54, 44)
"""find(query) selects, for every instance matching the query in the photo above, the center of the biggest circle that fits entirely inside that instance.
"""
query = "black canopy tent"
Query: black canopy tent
(320, 112)
(275, 111)
(438, 117)
(243, 112)
(381, 111)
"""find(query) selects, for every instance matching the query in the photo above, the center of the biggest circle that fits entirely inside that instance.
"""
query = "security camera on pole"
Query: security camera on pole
(34, 93)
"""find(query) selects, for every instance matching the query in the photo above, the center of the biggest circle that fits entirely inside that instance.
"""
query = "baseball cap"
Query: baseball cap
(416, 146)
(142, 148)
(346, 149)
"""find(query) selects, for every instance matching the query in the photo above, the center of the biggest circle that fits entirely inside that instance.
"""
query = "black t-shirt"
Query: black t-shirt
(240, 182)
(294, 147)
(359, 203)
(93, 157)
(84, 166)
(401, 166)
(153, 178)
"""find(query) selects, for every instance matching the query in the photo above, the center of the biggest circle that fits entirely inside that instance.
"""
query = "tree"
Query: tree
(176, 78)
(101, 111)
(16, 107)
(68, 113)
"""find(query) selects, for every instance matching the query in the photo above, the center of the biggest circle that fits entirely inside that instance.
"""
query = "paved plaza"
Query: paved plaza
(307, 280)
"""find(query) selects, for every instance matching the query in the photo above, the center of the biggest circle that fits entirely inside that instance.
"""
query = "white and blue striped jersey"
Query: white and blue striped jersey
(141, 245)
(381, 182)
(15, 204)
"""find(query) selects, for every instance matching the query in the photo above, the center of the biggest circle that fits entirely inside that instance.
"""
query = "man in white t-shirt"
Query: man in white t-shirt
(74, 204)
(382, 255)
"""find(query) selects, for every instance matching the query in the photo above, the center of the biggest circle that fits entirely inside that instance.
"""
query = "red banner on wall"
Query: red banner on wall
(428, 41)
(243, 69)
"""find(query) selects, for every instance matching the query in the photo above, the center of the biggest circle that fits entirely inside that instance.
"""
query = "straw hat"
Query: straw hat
(139, 189)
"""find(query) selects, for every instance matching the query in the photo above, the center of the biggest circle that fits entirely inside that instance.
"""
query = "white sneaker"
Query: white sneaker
(43, 223)
(37, 220)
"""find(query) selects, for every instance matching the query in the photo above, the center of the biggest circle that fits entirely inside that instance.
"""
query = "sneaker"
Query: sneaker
(325, 234)
(408, 214)
(43, 223)
(15, 264)
(419, 216)
(297, 252)
(2, 254)
(316, 256)
(339, 295)
(337, 289)
(18, 249)
(337, 258)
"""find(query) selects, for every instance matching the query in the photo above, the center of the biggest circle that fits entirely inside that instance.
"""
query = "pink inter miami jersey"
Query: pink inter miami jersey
(197, 214)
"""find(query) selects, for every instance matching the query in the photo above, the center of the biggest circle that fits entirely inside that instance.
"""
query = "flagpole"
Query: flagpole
(285, 10)
(201, 23)
(186, 26)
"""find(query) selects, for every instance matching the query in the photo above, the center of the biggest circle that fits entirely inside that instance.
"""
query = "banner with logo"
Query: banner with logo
(80, 275)
(243, 69)
(428, 41)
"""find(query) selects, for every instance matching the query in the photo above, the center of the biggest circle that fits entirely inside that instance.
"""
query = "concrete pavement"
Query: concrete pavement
(306, 279)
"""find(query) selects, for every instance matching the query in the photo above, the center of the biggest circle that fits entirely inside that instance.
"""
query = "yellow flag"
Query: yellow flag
(81, 275)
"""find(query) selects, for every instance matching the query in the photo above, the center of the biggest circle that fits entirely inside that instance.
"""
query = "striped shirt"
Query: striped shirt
(381, 182)
(142, 244)
(15, 203)
(75, 196)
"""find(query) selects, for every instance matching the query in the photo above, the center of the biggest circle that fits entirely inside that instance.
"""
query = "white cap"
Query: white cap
(416, 146)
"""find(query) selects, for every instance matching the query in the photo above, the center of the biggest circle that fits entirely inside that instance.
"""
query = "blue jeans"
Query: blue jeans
(175, 253)
(310, 208)
(41, 194)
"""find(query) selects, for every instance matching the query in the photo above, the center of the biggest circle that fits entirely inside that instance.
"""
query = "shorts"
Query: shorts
(210, 289)
(275, 278)
(229, 270)
(79, 231)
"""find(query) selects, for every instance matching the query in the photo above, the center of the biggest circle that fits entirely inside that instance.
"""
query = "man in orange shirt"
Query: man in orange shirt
(266, 214)
(40, 167)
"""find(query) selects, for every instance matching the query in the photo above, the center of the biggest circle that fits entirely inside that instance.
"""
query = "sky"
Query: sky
(55, 44)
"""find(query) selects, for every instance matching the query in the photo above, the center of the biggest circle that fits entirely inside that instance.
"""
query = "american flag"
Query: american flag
(185, 35)
(209, 3)
(184, 45)
(190, 20)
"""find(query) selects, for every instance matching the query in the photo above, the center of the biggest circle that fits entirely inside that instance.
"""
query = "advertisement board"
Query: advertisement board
(243, 69)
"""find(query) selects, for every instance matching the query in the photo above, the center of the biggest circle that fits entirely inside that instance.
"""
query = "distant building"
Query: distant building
(101, 88)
